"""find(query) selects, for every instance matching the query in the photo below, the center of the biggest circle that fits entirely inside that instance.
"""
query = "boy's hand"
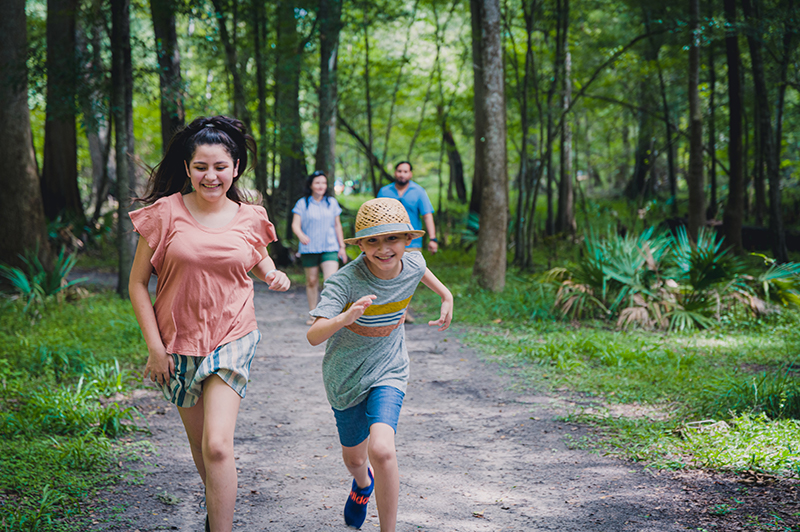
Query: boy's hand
(357, 309)
(445, 316)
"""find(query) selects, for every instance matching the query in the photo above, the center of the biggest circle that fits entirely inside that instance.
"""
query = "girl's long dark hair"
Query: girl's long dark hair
(169, 177)
(307, 189)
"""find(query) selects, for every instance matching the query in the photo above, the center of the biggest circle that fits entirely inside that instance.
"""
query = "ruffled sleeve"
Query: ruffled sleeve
(262, 231)
(152, 222)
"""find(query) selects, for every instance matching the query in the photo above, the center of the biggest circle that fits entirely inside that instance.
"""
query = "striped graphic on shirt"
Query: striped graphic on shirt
(380, 320)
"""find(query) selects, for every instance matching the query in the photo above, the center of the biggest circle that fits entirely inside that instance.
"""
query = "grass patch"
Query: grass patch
(745, 373)
(59, 421)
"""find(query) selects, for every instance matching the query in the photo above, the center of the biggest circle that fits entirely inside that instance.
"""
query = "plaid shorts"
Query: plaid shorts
(230, 362)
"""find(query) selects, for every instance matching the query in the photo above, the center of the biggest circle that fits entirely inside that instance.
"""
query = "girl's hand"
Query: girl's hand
(445, 316)
(278, 281)
(160, 365)
(343, 255)
(303, 238)
(357, 309)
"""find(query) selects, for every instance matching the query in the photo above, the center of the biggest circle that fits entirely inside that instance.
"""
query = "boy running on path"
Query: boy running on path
(365, 370)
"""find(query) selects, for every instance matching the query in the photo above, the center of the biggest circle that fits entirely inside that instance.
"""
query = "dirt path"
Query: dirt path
(473, 455)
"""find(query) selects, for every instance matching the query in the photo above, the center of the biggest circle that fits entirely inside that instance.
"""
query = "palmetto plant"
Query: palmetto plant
(663, 280)
(38, 283)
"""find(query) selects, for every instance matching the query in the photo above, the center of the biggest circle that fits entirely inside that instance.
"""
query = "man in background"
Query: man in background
(415, 200)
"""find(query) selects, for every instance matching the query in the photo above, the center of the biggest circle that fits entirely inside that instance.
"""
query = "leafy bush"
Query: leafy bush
(38, 283)
(666, 281)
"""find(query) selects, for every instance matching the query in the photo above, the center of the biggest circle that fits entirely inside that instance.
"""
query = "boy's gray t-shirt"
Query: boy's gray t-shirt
(372, 351)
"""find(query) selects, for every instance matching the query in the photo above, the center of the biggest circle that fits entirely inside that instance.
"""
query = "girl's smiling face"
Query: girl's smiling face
(212, 171)
(384, 253)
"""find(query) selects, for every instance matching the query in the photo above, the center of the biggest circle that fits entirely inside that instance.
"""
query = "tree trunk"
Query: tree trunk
(293, 170)
(22, 221)
(565, 220)
(643, 156)
(59, 183)
(479, 170)
(232, 61)
(169, 69)
(694, 178)
(711, 212)
(122, 105)
(759, 187)
(767, 140)
(490, 260)
(456, 166)
(330, 15)
(368, 100)
(734, 210)
(259, 38)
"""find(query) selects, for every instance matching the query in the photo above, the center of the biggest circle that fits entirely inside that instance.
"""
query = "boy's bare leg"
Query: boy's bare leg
(355, 459)
(383, 457)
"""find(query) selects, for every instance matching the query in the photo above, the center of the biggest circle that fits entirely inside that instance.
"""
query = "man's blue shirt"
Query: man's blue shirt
(416, 202)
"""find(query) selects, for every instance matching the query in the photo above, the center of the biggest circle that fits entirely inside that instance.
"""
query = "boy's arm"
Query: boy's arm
(446, 312)
(324, 328)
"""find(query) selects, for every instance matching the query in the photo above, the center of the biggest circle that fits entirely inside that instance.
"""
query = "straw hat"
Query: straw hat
(382, 216)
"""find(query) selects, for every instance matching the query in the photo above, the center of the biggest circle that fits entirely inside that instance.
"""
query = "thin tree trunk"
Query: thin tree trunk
(765, 123)
(59, 183)
(293, 170)
(711, 212)
(759, 186)
(22, 220)
(169, 69)
(122, 105)
(550, 227)
(734, 210)
(330, 14)
(259, 38)
(565, 220)
(490, 261)
(232, 62)
(368, 100)
(479, 170)
(696, 218)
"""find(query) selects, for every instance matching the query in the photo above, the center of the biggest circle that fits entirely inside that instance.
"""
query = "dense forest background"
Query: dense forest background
(517, 115)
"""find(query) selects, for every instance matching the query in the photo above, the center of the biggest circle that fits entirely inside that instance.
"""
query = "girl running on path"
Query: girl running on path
(201, 238)
(317, 225)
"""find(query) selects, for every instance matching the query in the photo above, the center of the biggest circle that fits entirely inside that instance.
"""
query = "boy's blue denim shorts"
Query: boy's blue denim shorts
(230, 362)
(382, 405)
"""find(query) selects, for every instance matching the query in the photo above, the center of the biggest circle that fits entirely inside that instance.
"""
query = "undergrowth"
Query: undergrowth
(60, 415)
(725, 398)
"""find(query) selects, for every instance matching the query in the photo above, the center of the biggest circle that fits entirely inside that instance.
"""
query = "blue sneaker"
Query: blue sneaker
(355, 509)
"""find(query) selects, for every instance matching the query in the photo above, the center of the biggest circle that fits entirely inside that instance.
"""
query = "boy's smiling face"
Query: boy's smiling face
(384, 253)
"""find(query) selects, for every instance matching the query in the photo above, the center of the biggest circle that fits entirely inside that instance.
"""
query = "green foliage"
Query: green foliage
(38, 283)
(57, 423)
(657, 280)
(775, 394)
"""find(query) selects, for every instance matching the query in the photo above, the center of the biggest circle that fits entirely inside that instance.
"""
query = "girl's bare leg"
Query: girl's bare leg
(212, 421)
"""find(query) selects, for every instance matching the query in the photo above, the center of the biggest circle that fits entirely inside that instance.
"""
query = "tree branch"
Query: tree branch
(373, 159)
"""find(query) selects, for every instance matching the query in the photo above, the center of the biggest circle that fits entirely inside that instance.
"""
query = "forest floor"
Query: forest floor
(477, 452)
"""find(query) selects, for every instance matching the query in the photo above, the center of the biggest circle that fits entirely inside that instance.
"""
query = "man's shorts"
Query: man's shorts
(230, 362)
(312, 260)
(382, 405)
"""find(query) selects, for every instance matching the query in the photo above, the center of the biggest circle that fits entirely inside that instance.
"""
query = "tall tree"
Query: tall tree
(734, 210)
(240, 109)
(490, 259)
(754, 40)
(711, 212)
(565, 217)
(22, 221)
(330, 23)
(259, 40)
(694, 177)
(289, 51)
(479, 169)
(122, 105)
(169, 69)
(59, 182)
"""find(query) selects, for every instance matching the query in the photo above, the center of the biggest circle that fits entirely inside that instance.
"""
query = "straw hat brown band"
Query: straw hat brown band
(382, 216)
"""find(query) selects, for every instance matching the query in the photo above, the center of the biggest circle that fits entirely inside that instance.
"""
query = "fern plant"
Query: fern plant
(38, 283)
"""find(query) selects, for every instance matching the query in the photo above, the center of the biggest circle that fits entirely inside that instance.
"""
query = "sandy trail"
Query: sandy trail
(474, 455)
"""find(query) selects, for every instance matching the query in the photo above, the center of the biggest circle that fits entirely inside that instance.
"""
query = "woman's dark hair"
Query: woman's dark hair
(169, 176)
(307, 189)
